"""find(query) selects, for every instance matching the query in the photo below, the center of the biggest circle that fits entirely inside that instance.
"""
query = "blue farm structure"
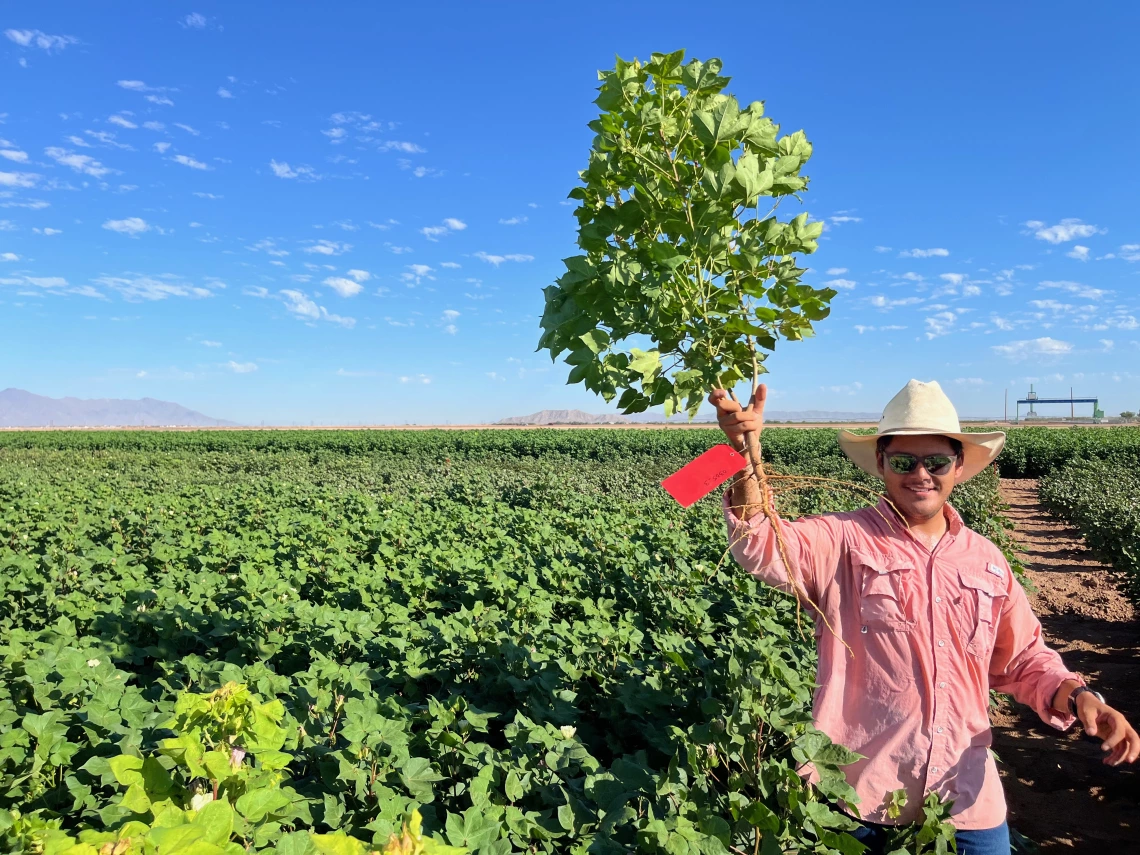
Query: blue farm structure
(1032, 399)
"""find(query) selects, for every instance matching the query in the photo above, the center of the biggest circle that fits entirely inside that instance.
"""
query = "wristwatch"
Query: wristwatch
(1079, 690)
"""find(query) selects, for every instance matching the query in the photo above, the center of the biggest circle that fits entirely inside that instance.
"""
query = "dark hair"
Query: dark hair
(883, 442)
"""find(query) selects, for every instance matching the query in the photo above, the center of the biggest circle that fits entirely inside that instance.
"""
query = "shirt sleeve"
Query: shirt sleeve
(1022, 665)
(812, 546)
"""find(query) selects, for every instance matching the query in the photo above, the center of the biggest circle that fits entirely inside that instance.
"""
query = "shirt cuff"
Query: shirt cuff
(1065, 720)
(735, 524)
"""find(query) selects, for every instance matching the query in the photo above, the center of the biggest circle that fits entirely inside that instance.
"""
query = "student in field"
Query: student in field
(923, 618)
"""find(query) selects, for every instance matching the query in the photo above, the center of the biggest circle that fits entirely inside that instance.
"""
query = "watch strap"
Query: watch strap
(1076, 693)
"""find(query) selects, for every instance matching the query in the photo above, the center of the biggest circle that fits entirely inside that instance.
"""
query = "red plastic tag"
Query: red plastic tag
(697, 479)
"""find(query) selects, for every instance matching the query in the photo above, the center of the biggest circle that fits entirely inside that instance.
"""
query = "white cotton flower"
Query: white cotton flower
(92, 663)
(201, 800)
(568, 731)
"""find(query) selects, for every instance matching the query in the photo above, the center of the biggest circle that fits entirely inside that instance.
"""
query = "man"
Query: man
(917, 618)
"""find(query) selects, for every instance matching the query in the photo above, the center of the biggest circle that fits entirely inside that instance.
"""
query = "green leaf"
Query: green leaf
(216, 819)
(127, 769)
(135, 799)
(596, 340)
(417, 776)
(256, 805)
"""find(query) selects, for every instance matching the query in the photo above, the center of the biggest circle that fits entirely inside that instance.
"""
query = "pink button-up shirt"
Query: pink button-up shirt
(930, 633)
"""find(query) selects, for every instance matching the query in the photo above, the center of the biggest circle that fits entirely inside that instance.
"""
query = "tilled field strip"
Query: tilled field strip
(1060, 794)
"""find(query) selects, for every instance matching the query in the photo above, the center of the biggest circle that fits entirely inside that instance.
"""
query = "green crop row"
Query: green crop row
(542, 653)
(1029, 452)
(1103, 501)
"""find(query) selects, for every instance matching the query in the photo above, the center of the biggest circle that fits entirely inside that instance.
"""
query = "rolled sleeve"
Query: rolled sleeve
(810, 544)
(1023, 666)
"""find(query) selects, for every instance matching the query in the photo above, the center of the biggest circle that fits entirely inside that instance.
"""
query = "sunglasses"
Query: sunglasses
(935, 464)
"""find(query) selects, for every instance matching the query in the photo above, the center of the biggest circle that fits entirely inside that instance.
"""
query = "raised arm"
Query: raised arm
(797, 557)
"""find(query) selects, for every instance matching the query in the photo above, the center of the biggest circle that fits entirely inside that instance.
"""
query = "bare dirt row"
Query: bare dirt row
(1060, 794)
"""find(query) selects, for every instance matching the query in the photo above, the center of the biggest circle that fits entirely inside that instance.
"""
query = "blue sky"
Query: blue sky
(282, 212)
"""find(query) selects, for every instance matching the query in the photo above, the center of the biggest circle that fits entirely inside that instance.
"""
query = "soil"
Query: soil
(1060, 794)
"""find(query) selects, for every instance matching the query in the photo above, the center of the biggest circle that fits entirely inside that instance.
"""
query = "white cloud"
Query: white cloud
(186, 160)
(499, 259)
(840, 283)
(242, 367)
(132, 226)
(1083, 291)
(940, 324)
(122, 122)
(881, 302)
(135, 288)
(48, 232)
(1051, 305)
(936, 252)
(450, 314)
(406, 147)
(359, 275)
(1108, 344)
(419, 378)
(328, 247)
(882, 249)
(298, 304)
(9, 256)
(161, 100)
(284, 170)
(850, 389)
(971, 291)
(154, 126)
(836, 271)
(953, 278)
(344, 287)
(513, 221)
(1130, 252)
(105, 137)
(161, 147)
(1021, 350)
(14, 155)
(18, 179)
(79, 162)
(40, 39)
(450, 224)
(337, 135)
(223, 92)
(1066, 230)
(970, 381)
(79, 141)
(450, 265)
(209, 343)
(194, 21)
(844, 219)
(134, 85)
(187, 128)
(1080, 253)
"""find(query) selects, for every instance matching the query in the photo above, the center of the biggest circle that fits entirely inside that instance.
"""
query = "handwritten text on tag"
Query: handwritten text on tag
(698, 478)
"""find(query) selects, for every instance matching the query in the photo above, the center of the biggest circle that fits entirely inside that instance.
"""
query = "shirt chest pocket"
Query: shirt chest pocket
(982, 597)
(884, 601)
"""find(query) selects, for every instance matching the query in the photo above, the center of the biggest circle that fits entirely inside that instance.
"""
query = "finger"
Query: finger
(759, 400)
(1134, 741)
(724, 404)
(1118, 754)
(1116, 730)
(739, 418)
(1089, 723)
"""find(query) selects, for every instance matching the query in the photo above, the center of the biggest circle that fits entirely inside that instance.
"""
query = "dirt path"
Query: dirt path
(1060, 794)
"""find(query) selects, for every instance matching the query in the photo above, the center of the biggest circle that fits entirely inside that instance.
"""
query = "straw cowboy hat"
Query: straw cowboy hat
(923, 408)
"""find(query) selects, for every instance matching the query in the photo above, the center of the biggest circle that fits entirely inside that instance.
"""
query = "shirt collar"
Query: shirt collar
(953, 518)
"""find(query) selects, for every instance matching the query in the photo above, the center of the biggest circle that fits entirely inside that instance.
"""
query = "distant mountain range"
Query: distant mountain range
(577, 417)
(23, 409)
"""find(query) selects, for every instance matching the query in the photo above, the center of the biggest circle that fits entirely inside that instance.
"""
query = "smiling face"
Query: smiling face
(918, 495)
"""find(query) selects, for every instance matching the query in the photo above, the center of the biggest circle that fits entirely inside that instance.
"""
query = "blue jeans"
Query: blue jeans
(989, 841)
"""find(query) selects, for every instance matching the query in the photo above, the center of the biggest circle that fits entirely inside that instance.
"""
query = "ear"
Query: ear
(880, 456)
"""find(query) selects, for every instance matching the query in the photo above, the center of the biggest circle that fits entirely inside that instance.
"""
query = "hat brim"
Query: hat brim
(979, 450)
